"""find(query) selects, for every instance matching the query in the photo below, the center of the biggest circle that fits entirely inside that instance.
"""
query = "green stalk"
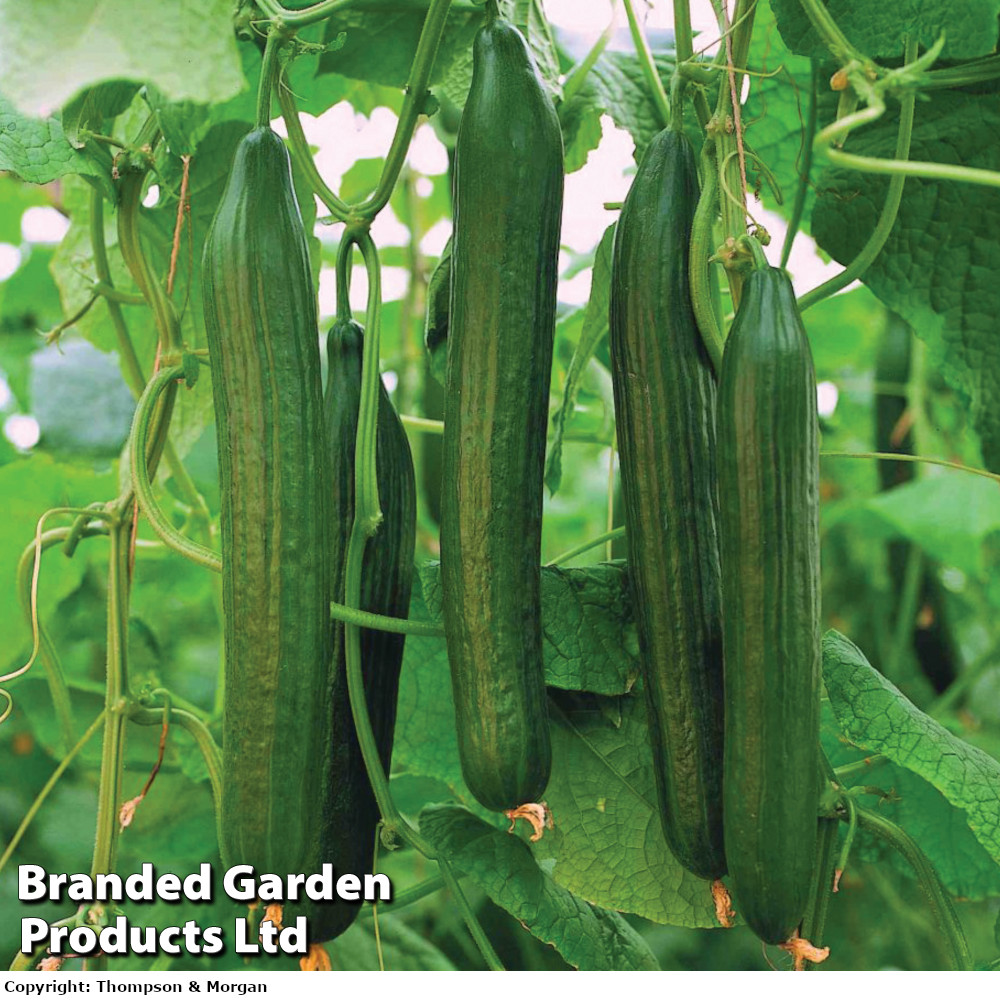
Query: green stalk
(894, 457)
(368, 619)
(116, 705)
(135, 378)
(367, 516)
(54, 674)
(303, 157)
(647, 65)
(413, 105)
(902, 635)
(890, 209)
(139, 448)
(417, 892)
(593, 543)
(423, 424)
(210, 752)
(814, 921)
(47, 788)
(977, 669)
(475, 929)
(798, 206)
(270, 71)
(927, 878)
(828, 29)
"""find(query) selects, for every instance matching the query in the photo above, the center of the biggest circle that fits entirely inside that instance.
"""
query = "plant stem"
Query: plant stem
(890, 209)
(368, 619)
(115, 703)
(828, 29)
(593, 543)
(848, 772)
(303, 156)
(475, 929)
(894, 457)
(902, 636)
(647, 65)
(935, 893)
(413, 105)
(270, 72)
(977, 669)
(210, 752)
(138, 450)
(47, 788)
(417, 892)
(423, 424)
(698, 261)
(26, 581)
(802, 189)
(821, 887)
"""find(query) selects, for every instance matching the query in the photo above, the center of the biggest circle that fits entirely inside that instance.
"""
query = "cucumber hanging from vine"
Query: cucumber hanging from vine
(665, 409)
(351, 813)
(260, 318)
(768, 475)
(508, 208)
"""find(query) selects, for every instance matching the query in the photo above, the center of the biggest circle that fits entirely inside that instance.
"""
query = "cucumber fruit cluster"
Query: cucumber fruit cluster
(665, 412)
(721, 497)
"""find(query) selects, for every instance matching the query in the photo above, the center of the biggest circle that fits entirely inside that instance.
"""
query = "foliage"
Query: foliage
(123, 138)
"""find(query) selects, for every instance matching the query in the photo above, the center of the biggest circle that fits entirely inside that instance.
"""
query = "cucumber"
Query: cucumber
(768, 474)
(665, 412)
(508, 209)
(351, 813)
(260, 319)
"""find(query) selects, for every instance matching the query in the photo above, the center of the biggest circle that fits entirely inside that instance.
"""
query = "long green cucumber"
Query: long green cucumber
(508, 206)
(665, 414)
(351, 813)
(260, 317)
(768, 471)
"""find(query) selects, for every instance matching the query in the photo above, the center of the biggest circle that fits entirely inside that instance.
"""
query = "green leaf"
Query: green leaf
(381, 40)
(776, 112)
(589, 641)
(620, 88)
(65, 381)
(36, 149)
(923, 812)
(93, 106)
(595, 327)
(587, 936)
(403, 950)
(51, 51)
(875, 716)
(880, 30)
(923, 511)
(608, 842)
(183, 123)
(937, 269)
(580, 120)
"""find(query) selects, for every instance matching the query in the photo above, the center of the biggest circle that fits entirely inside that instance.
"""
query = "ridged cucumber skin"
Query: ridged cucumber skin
(768, 473)
(260, 318)
(351, 814)
(665, 412)
(508, 210)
